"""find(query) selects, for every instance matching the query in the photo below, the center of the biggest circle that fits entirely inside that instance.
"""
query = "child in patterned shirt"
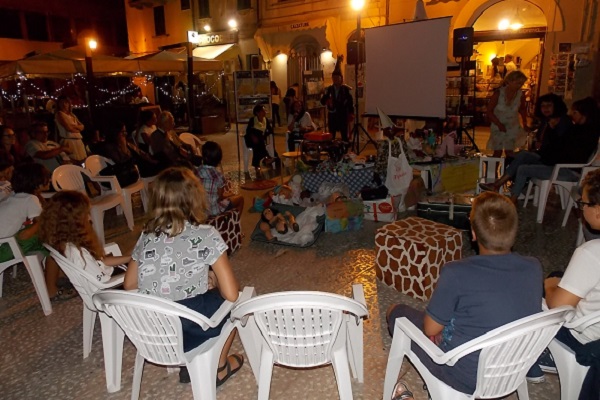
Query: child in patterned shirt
(173, 256)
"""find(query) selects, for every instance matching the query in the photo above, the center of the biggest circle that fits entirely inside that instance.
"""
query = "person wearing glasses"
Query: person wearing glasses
(580, 285)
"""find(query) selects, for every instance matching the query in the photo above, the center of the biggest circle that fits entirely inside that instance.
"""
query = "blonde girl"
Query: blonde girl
(172, 259)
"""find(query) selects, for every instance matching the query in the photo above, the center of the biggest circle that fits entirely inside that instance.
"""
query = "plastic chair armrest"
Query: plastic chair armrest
(584, 322)
(358, 294)
(247, 294)
(112, 180)
(417, 336)
(114, 281)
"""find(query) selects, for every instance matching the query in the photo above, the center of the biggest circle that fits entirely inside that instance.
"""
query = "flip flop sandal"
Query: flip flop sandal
(401, 392)
(64, 294)
(230, 372)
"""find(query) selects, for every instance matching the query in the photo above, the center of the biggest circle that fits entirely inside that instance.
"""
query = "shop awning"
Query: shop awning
(217, 52)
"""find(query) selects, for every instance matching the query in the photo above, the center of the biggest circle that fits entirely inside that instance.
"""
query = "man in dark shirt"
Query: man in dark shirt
(340, 110)
(166, 146)
(478, 294)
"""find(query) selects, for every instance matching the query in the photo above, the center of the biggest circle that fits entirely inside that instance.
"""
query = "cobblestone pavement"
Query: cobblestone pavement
(42, 356)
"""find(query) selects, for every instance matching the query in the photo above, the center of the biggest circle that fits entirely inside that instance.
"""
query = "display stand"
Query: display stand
(250, 88)
(313, 84)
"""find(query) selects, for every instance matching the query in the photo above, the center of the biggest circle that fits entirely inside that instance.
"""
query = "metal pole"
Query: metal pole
(356, 139)
(190, 88)
(90, 83)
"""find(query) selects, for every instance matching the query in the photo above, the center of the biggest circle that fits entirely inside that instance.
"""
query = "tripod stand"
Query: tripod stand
(461, 129)
(357, 125)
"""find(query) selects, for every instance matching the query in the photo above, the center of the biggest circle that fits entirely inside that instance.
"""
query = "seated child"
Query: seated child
(272, 218)
(214, 182)
(19, 214)
(478, 294)
(66, 226)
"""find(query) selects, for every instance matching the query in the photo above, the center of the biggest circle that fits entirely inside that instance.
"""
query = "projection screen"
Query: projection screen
(406, 68)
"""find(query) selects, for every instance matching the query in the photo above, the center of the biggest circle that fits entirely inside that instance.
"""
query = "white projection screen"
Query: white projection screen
(406, 68)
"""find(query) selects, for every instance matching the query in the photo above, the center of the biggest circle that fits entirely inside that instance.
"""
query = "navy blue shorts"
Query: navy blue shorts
(206, 304)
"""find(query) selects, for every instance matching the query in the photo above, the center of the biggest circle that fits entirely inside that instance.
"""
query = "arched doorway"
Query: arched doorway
(304, 56)
(508, 29)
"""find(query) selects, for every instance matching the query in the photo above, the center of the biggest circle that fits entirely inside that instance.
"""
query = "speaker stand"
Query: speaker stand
(357, 125)
(461, 128)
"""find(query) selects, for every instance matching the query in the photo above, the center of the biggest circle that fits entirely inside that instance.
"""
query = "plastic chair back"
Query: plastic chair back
(300, 328)
(68, 177)
(96, 163)
(150, 322)
(510, 351)
(193, 141)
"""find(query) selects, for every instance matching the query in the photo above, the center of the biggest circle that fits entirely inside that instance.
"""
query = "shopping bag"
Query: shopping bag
(399, 172)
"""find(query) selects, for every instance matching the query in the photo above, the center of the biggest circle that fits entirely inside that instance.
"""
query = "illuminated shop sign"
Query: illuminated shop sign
(208, 39)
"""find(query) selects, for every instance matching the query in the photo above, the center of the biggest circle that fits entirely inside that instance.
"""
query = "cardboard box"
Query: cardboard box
(384, 210)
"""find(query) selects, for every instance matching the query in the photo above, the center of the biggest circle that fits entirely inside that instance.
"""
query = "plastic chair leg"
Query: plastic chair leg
(202, 371)
(144, 194)
(266, 373)
(342, 373)
(14, 271)
(89, 320)
(544, 192)
(1, 282)
(522, 391)
(138, 369)
(528, 193)
(400, 347)
(128, 209)
(568, 209)
(112, 346)
(355, 348)
(33, 264)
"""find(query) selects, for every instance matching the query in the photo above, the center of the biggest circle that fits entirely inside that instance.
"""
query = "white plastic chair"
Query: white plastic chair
(247, 151)
(69, 177)
(571, 200)
(87, 285)
(570, 373)
(490, 170)
(96, 163)
(154, 327)
(192, 140)
(563, 187)
(506, 355)
(33, 263)
(303, 330)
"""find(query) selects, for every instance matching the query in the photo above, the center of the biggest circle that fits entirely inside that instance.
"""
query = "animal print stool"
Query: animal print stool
(228, 225)
(410, 253)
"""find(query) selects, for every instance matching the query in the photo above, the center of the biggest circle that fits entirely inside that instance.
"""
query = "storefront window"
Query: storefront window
(203, 9)
(160, 27)
(10, 24)
(243, 4)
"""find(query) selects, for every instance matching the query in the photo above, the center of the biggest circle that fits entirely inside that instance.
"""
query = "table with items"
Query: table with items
(356, 179)
(454, 176)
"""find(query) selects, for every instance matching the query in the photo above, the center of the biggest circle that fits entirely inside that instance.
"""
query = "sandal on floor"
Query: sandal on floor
(488, 187)
(64, 294)
(230, 372)
(401, 392)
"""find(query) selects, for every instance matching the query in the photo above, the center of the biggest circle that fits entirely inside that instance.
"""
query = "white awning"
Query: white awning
(212, 52)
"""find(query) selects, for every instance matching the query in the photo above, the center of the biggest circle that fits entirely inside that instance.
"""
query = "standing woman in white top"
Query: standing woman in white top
(69, 130)
(504, 108)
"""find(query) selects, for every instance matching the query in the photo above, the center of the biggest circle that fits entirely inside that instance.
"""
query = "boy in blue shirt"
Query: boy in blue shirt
(479, 293)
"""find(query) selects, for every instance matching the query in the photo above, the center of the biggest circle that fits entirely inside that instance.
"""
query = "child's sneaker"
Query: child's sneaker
(535, 374)
(546, 363)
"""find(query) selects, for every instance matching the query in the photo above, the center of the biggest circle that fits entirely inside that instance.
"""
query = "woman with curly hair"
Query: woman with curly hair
(173, 256)
(20, 213)
(65, 225)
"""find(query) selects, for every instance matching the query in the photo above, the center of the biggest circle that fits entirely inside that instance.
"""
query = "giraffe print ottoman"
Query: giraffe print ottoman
(229, 226)
(410, 253)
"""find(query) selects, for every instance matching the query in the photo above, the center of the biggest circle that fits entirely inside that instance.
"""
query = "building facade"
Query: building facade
(292, 34)
(30, 27)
